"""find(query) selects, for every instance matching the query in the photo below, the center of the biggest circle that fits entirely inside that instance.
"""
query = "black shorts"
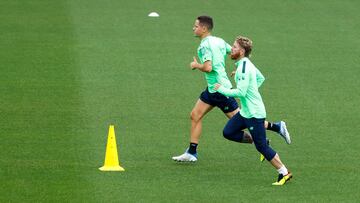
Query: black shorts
(226, 104)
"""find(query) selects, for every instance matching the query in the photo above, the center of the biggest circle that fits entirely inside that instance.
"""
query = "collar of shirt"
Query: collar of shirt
(240, 61)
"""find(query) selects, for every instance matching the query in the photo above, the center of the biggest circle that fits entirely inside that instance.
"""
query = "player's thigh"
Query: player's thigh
(235, 124)
(257, 131)
(200, 109)
(231, 114)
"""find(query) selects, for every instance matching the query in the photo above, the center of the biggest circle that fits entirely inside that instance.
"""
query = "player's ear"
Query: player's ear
(242, 51)
(204, 28)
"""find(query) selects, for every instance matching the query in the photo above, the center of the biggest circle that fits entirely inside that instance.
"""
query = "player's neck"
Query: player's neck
(239, 59)
(205, 35)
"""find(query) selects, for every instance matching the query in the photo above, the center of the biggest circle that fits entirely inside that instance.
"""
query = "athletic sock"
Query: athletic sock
(283, 170)
(273, 127)
(192, 148)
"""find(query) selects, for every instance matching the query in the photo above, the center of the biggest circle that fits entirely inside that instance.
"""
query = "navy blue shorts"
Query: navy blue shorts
(226, 104)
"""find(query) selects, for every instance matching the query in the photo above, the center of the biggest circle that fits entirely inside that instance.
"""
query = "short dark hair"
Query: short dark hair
(206, 21)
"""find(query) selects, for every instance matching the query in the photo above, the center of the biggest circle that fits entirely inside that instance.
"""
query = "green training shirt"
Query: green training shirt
(214, 49)
(248, 79)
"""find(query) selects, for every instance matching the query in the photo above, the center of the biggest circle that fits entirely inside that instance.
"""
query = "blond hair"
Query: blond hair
(245, 43)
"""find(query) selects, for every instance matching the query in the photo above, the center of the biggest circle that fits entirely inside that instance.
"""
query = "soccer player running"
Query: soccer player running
(252, 113)
(212, 53)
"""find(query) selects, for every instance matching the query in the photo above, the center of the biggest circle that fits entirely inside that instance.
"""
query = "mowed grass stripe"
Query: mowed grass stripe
(116, 65)
(40, 104)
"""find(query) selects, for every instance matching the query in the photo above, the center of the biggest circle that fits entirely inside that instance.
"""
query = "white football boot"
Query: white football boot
(186, 157)
(284, 133)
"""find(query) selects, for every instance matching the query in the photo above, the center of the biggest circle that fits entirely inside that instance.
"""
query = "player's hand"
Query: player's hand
(232, 73)
(217, 86)
(194, 64)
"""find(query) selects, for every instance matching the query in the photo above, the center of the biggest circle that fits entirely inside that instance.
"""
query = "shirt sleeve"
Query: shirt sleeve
(259, 78)
(205, 54)
(228, 92)
(242, 85)
(228, 48)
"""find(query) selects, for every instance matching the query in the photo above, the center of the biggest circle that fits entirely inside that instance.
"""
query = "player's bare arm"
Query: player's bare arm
(206, 67)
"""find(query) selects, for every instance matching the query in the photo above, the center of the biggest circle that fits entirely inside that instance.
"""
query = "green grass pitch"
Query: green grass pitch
(69, 69)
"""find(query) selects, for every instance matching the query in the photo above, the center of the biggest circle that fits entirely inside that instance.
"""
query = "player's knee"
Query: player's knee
(267, 151)
(227, 133)
(194, 116)
(262, 148)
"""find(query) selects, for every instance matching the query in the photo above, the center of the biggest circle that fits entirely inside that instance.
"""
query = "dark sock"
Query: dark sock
(192, 148)
(273, 127)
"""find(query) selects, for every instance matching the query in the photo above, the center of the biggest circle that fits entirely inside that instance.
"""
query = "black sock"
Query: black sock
(273, 127)
(192, 148)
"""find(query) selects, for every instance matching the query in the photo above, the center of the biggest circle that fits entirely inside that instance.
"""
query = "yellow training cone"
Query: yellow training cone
(111, 155)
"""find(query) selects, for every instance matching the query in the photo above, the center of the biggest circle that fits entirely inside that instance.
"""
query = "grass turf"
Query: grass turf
(71, 68)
